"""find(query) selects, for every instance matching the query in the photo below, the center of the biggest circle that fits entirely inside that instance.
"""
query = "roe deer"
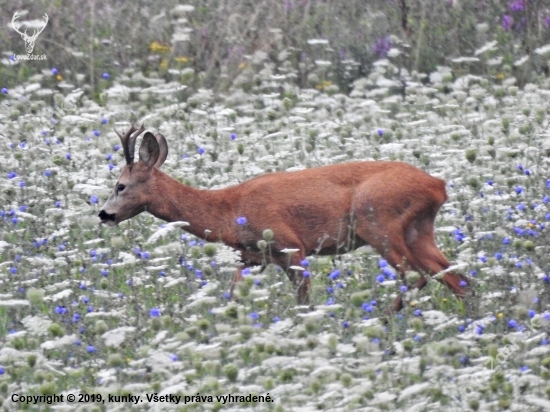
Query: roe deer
(327, 210)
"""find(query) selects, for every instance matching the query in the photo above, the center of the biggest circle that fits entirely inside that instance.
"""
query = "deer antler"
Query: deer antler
(37, 32)
(16, 25)
(128, 141)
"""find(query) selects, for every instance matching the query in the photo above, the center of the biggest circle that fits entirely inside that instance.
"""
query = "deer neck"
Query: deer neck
(205, 210)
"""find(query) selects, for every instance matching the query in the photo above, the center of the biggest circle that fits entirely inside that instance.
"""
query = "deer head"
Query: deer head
(133, 191)
(29, 40)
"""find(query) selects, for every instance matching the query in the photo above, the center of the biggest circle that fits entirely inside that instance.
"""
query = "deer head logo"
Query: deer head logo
(29, 40)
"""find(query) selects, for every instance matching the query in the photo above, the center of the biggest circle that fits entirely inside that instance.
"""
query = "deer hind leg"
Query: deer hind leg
(392, 248)
(429, 259)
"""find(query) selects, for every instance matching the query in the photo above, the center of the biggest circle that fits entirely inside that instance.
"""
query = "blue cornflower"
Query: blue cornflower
(367, 307)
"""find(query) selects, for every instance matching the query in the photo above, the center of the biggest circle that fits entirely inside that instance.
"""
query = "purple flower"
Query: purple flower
(105, 75)
(241, 220)
(91, 349)
(380, 278)
(4, 90)
(382, 46)
(517, 5)
(546, 21)
(380, 132)
(11, 175)
(367, 307)
(155, 312)
(104, 120)
(96, 133)
(512, 323)
(305, 273)
(93, 199)
(506, 22)
(54, 71)
(232, 136)
(200, 150)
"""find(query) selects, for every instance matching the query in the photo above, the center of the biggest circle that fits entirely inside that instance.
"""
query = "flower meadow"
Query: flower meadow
(143, 308)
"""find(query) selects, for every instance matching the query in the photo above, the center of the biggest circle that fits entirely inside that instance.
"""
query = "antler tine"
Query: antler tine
(132, 142)
(128, 141)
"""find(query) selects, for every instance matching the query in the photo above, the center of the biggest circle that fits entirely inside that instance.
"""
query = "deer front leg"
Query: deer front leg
(237, 278)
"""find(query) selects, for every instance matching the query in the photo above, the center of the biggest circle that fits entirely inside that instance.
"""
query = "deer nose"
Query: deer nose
(104, 216)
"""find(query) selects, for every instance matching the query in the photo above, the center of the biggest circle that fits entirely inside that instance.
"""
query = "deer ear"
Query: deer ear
(149, 150)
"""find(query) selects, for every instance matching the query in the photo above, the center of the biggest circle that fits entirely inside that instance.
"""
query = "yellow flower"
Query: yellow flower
(242, 65)
(181, 59)
(413, 303)
(500, 315)
(530, 225)
(59, 77)
(156, 47)
(163, 64)
(500, 76)
(444, 300)
(128, 360)
(323, 85)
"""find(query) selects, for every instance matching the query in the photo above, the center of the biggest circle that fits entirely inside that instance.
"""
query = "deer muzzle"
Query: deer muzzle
(107, 218)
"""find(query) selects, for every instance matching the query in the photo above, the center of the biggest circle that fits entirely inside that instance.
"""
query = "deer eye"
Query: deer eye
(120, 188)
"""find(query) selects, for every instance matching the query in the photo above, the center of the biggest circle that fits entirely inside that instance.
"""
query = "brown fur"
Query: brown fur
(326, 210)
